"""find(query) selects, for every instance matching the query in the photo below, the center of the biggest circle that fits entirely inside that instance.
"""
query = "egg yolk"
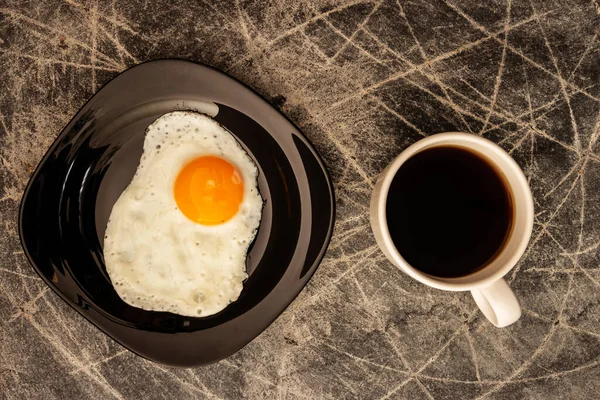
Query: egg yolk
(209, 190)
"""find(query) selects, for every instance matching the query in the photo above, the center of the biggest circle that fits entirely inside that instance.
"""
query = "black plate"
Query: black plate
(69, 198)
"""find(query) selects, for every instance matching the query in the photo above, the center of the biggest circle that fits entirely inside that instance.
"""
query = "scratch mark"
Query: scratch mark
(350, 40)
(473, 354)
(562, 82)
(397, 115)
(500, 67)
(537, 351)
(454, 335)
(204, 390)
(117, 44)
(44, 61)
(19, 274)
(427, 63)
(363, 360)
(104, 360)
(94, 27)
(26, 308)
(535, 17)
(112, 20)
(431, 76)
(311, 20)
(68, 38)
(424, 389)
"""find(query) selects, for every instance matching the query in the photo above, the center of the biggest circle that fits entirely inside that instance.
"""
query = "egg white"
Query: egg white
(156, 257)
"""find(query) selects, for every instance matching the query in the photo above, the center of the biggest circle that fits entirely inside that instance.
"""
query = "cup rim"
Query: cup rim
(447, 283)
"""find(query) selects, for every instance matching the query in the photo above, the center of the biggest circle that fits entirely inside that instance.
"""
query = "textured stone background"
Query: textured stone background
(363, 80)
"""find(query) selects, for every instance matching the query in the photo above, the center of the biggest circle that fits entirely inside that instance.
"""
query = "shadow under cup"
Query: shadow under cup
(522, 212)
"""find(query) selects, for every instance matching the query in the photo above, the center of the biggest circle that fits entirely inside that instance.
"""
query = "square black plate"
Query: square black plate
(69, 198)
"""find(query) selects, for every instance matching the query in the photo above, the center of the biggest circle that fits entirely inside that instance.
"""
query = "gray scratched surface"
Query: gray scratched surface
(363, 80)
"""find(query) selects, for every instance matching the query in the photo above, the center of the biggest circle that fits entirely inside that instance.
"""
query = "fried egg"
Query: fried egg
(178, 236)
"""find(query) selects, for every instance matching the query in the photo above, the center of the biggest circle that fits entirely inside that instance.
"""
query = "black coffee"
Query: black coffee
(449, 211)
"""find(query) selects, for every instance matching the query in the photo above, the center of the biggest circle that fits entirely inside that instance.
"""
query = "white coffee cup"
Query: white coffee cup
(491, 293)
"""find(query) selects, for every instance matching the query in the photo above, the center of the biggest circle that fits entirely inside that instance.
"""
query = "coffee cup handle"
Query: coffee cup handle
(498, 303)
